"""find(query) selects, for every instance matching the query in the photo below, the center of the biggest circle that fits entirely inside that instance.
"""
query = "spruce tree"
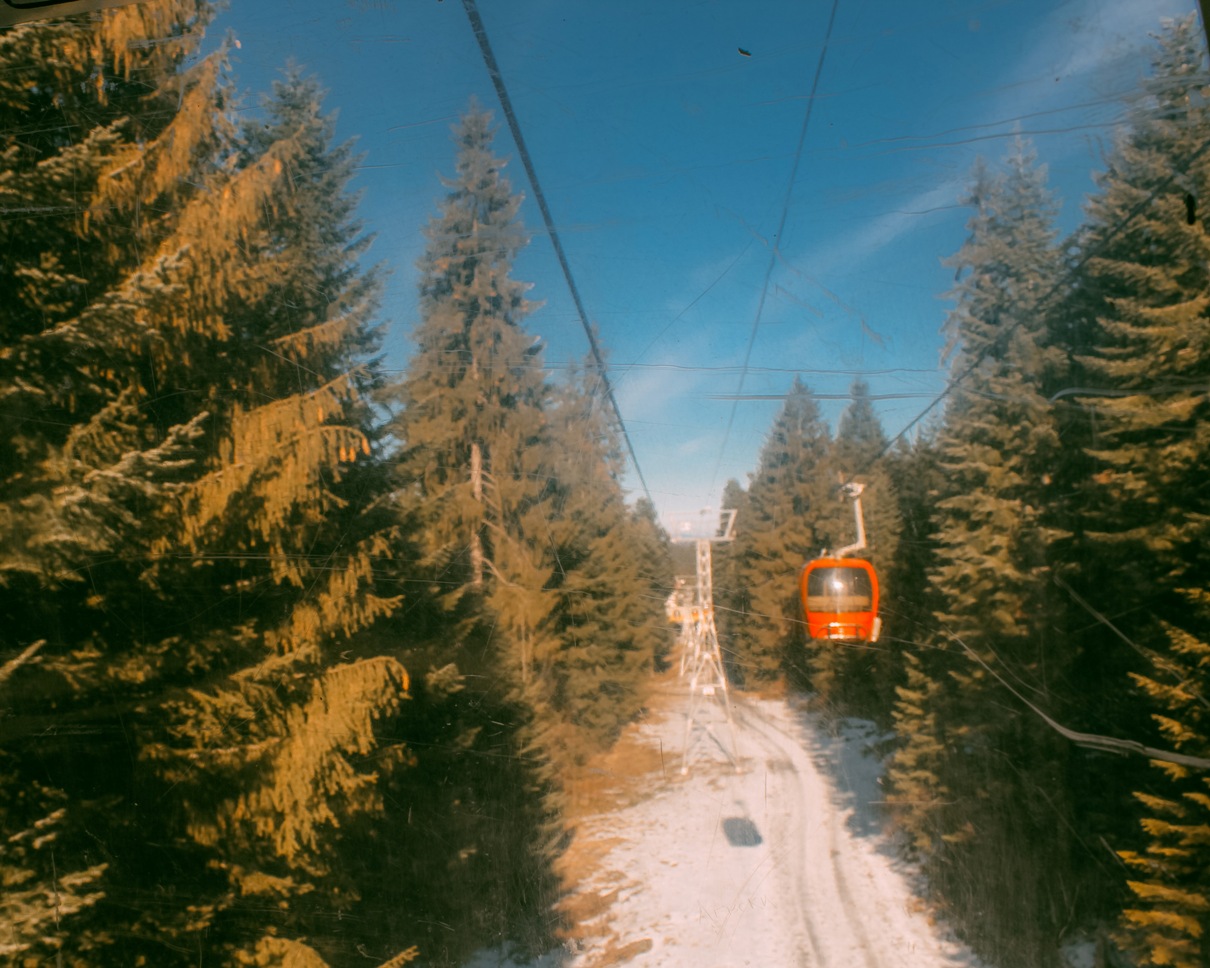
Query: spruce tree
(471, 404)
(995, 547)
(859, 455)
(472, 420)
(791, 515)
(82, 473)
(653, 552)
(730, 595)
(184, 558)
(1167, 921)
(475, 488)
(860, 439)
(915, 768)
(516, 493)
(1144, 352)
(609, 569)
(309, 525)
(998, 441)
(1145, 284)
(545, 589)
(869, 671)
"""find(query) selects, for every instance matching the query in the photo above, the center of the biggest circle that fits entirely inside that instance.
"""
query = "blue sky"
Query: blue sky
(665, 155)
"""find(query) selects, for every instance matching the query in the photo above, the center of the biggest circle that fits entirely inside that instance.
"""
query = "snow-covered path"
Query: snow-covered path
(780, 864)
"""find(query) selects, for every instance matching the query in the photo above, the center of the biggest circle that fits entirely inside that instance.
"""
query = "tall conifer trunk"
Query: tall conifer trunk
(476, 534)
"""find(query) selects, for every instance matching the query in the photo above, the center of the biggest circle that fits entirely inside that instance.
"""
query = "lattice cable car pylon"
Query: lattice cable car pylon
(701, 659)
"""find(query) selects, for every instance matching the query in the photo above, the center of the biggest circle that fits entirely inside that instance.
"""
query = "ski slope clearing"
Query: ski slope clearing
(782, 863)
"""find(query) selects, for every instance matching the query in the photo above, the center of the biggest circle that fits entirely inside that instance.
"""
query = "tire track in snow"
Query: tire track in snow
(813, 790)
(785, 828)
(759, 869)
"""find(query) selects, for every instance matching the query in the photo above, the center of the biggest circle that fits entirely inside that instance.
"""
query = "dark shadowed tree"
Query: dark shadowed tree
(731, 597)
(473, 486)
(187, 561)
(1143, 320)
(973, 759)
(868, 672)
(791, 513)
(610, 574)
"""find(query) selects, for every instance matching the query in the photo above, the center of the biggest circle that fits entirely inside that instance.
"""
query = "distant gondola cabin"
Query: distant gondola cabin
(840, 599)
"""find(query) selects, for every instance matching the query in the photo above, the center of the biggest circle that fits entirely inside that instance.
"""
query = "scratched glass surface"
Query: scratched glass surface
(580, 484)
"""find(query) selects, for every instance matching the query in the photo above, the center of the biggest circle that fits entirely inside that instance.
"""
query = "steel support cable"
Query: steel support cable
(773, 249)
(514, 127)
(1095, 741)
(1153, 657)
(1076, 266)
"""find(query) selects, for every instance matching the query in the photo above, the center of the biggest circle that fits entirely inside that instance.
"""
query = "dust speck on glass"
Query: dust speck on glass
(532, 484)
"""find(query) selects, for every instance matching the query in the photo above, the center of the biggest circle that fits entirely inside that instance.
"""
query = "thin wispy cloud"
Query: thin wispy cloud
(1114, 44)
(654, 390)
(1119, 27)
(1102, 46)
(849, 250)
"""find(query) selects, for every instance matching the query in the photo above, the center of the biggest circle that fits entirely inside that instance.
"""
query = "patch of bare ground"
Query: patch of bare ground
(627, 773)
(622, 954)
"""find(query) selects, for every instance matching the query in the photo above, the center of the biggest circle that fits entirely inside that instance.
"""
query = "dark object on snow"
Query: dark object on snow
(741, 832)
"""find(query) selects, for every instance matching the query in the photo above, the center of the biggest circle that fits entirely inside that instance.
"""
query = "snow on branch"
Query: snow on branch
(27, 654)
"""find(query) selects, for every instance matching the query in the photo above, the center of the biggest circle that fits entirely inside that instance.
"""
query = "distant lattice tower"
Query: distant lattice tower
(692, 605)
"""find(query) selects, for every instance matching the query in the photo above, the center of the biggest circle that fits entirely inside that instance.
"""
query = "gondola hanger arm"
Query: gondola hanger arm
(853, 489)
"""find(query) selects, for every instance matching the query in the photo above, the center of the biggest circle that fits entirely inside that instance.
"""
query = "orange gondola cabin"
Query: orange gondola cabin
(840, 592)
(840, 599)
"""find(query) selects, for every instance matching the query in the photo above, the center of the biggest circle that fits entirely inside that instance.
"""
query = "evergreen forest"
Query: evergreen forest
(300, 654)
(297, 656)
(1042, 542)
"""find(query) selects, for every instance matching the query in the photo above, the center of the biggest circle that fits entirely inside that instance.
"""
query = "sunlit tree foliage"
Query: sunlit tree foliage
(1146, 356)
(970, 759)
(188, 544)
(546, 587)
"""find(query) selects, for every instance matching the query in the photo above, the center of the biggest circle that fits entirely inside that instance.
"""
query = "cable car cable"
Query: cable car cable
(773, 251)
(514, 127)
(1079, 264)
(1096, 741)
(1151, 656)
